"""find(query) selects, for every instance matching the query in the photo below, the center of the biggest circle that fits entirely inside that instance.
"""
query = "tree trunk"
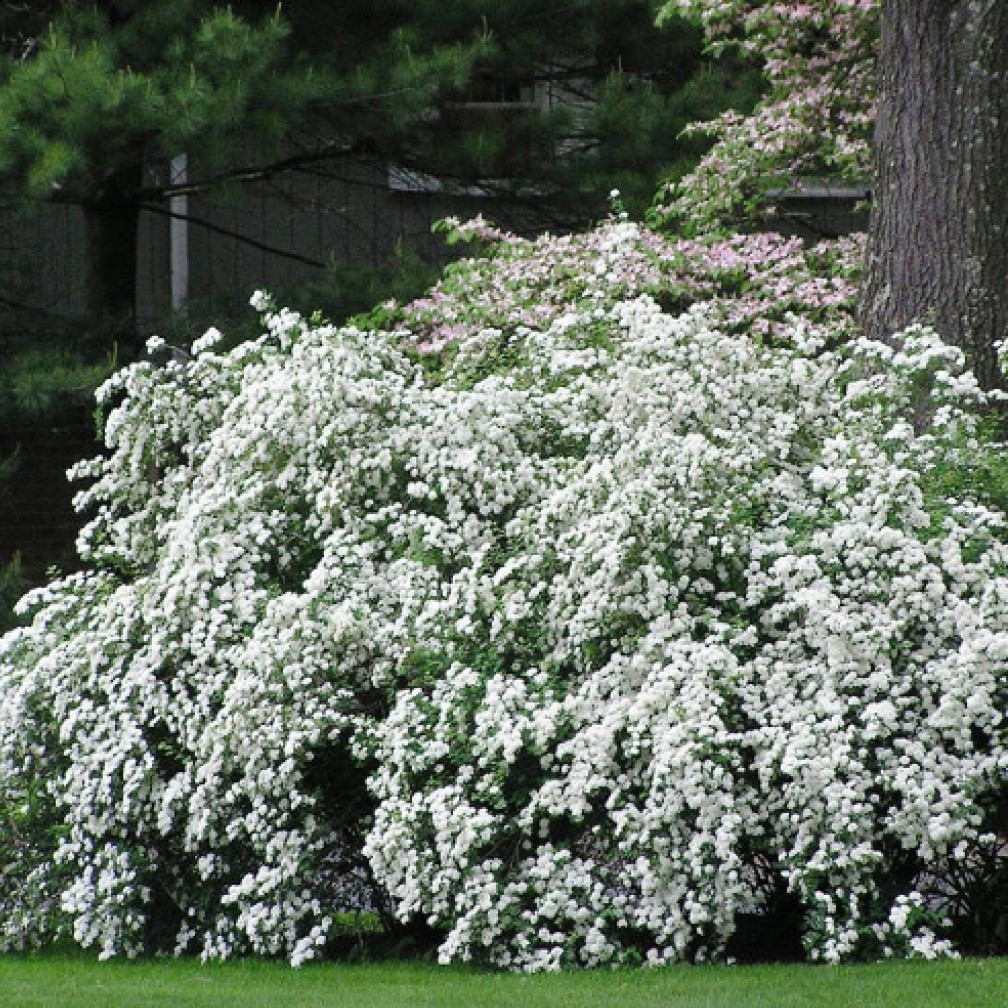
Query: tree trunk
(938, 238)
(111, 233)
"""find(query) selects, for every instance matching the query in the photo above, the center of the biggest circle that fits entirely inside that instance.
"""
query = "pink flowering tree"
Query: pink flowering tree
(935, 76)
(815, 118)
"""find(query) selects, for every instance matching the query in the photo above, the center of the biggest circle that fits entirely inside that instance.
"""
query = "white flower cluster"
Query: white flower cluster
(898, 936)
(618, 616)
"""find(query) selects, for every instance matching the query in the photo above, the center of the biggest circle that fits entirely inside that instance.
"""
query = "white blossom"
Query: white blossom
(620, 613)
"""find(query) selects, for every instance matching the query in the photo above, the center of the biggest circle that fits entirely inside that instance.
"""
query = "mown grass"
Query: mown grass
(72, 981)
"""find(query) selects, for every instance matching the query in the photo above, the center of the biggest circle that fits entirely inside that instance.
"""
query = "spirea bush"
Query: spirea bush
(631, 619)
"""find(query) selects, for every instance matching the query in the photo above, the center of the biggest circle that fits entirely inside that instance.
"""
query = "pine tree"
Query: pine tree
(108, 87)
(91, 94)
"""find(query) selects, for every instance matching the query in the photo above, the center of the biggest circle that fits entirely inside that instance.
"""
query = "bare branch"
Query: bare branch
(255, 174)
(229, 233)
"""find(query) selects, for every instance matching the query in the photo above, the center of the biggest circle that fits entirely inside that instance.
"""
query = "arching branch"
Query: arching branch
(229, 233)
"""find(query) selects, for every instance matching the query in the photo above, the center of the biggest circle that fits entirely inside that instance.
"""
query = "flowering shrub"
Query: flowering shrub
(627, 616)
(815, 119)
(753, 282)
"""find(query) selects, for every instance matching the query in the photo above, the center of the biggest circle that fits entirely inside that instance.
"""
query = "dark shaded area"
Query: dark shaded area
(975, 887)
(773, 936)
(416, 940)
(37, 519)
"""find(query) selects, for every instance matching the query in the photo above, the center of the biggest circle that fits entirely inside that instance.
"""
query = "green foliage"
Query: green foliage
(104, 92)
(112, 85)
(636, 127)
(621, 92)
(59, 981)
(355, 289)
(41, 381)
(12, 586)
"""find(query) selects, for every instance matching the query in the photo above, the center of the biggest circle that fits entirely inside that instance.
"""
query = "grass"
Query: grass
(55, 981)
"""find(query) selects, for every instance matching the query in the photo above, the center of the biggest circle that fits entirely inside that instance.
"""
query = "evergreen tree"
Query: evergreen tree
(109, 87)
(91, 94)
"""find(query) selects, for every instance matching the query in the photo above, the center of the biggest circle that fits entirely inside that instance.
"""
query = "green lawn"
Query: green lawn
(52, 981)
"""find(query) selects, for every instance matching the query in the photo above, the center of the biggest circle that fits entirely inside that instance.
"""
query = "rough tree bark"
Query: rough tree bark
(938, 238)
